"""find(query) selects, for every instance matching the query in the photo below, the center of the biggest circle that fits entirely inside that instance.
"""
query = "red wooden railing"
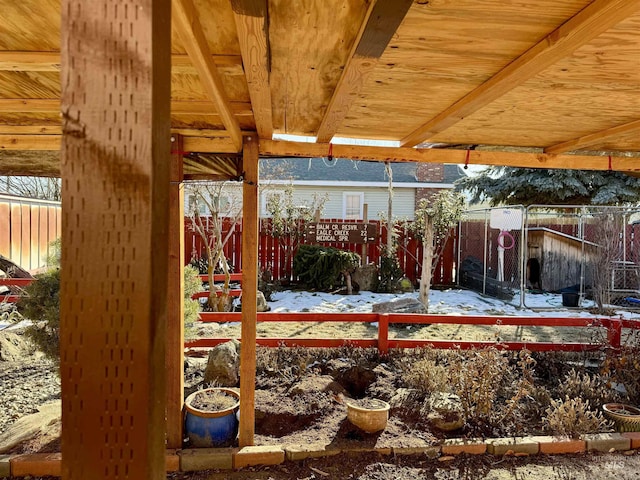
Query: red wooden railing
(13, 282)
(383, 343)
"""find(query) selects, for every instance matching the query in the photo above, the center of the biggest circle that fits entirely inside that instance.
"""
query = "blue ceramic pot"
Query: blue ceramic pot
(211, 428)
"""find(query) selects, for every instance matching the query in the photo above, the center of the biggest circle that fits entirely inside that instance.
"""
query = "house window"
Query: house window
(352, 205)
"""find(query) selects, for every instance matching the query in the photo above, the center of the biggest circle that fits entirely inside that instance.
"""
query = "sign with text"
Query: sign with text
(321, 232)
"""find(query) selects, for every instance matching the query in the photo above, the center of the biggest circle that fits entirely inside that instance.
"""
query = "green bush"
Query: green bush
(192, 284)
(40, 303)
(322, 267)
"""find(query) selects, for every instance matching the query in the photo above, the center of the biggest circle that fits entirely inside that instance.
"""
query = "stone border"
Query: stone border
(189, 460)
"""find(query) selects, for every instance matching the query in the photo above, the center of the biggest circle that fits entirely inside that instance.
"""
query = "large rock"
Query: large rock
(223, 365)
(366, 276)
(445, 411)
(29, 426)
(399, 305)
(319, 383)
(13, 347)
(262, 302)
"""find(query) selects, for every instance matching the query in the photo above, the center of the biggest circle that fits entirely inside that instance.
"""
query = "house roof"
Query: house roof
(534, 78)
(342, 169)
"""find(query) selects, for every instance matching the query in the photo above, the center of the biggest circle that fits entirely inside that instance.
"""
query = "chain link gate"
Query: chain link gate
(490, 252)
(548, 256)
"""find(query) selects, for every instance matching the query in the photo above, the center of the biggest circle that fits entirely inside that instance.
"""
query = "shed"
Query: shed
(560, 257)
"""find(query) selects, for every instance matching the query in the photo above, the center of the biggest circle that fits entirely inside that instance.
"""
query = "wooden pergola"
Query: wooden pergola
(116, 97)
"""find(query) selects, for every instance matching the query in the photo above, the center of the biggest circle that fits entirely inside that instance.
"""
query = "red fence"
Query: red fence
(383, 343)
(26, 229)
(275, 255)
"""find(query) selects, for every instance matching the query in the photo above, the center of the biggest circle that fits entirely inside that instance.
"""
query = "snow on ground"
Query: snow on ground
(453, 301)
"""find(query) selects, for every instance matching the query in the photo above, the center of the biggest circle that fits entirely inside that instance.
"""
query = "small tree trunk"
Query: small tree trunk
(347, 277)
(427, 260)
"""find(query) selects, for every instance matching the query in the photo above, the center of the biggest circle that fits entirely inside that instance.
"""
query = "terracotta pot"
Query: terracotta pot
(626, 417)
(371, 418)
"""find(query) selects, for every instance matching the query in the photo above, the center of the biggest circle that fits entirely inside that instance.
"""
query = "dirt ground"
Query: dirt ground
(376, 467)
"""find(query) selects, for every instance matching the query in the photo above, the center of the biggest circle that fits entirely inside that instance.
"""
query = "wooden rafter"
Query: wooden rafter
(381, 21)
(590, 22)
(185, 20)
(593, 138)
(50, 62)
(270, 148)
(252, 26)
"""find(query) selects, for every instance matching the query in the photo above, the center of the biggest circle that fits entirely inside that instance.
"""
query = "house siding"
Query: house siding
(375, 198)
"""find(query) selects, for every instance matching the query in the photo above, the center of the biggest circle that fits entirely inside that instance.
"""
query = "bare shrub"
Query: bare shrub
(622, 366)
(573, 417)
(428, 377)
(596, 389)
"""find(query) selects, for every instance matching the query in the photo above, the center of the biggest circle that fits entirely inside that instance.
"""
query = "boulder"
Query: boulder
(223, 365)
(29, 426)
(13, 347)
(445, 411)
(262, 303)
(366, 276)
(320, 383)
(399, 305)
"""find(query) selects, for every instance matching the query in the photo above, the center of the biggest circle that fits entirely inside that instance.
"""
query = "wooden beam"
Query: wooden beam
(596, 18)
(381, 21)
(250, 219)
(175, 298)
(593, 138)
(252, 26)
(13, 61)
(31, 163)
(220, 144)
(185, 20)
(271, 148)
(179, 107)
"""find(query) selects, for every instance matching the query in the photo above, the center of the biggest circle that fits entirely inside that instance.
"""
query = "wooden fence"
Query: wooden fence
(26, 228)
(612, 326)
(275, 255)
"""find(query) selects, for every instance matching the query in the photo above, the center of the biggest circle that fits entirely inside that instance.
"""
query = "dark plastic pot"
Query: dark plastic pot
(216, 428)
(570, 299)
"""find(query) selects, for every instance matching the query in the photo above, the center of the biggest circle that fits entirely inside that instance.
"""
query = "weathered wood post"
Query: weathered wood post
(115, 169)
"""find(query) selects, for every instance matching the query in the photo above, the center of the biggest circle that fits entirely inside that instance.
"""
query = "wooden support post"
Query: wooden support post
(250, 219)
(614, 333)
(383, 333)
(175, 298)
(115, 169)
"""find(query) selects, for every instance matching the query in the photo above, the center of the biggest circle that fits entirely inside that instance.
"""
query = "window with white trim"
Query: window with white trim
(352, 203)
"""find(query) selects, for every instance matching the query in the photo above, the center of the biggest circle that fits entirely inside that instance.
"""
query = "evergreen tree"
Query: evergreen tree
(530, 186)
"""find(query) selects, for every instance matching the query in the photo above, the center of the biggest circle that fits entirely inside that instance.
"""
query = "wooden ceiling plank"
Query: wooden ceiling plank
(589, 23)
(252, 27)
(381, 21)
(29, 61)
(593, 138)
(30, 129)
(42, 105)
(50, 61)
(271, 148)
(30, 142)
(187, 24)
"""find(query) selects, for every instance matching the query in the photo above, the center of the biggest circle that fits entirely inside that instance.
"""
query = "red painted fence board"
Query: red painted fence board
(276, 255)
